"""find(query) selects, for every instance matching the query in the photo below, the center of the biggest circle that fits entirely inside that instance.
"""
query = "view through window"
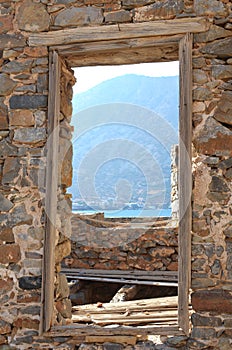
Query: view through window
(124, 241)
(125, 122)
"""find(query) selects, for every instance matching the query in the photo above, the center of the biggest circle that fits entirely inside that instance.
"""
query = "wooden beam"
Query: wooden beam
(51, 193)
(124, 56)
(86, 330)
(185, 180)
(118, 44)
(110, 32)
(134, 305)
(168, 276)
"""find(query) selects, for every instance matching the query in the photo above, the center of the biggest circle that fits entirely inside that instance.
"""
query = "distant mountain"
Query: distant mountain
(160, 94)
(123, 131)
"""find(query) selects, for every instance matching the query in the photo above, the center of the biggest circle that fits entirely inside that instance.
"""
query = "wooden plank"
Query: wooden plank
(117, 44)
(125, 281)
(125, 273)
(134, 305)
(129, 318)
(124, 56)
(109, 32)
(185, 180)
(80, 330)
(122, 339)
(51, 192)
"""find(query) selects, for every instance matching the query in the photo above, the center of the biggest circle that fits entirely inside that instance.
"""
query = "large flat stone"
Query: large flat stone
(215, 32)
(7, 85)
(220, 48)
(17, 66)
(74, 16)
(209, 7)
(30, 135)
(159, 10)
(7, 149)
(9, 253)
(19, 216)
(8, 41)
(21, 118)
(222, 71)
(10, 170)
(5, 204)
(6, 24)
(33, 17)
(30, 282)
(28, 101)
(223, 112)
(136, 3)
(4, 125)
(218, 184)
(215, 300)
(213, 139)
(117, 16)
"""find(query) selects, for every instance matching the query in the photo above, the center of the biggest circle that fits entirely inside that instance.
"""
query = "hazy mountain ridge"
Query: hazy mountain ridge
(111, 175)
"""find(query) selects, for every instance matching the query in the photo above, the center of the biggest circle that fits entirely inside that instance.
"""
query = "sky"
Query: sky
(88, 77)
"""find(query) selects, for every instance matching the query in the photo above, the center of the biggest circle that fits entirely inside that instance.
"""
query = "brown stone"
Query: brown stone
(30, 297)
(215, 300)
(9, 253)
(202, 94)
(159, 252)
(10, 170)
(7, 85)
(26, 323)
(36, 51)
(223, 112)
(6, 235)
(64, 307)
(209, 7)
(215, 32)
(4, 125)
(63, 249)
(135, 3)
(3, 340)
(74, 16)
(8, 41)
(5, 327)
(21, 118)
(220, 48)
(6, 24)
(166, 9)
(173, 266)
(222, 72)
(6, 285)
(118, 16)
(32, 17)
(214, 139)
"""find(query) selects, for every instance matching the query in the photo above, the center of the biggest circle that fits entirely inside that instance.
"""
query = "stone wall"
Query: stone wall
(23, 135)
(125, 246)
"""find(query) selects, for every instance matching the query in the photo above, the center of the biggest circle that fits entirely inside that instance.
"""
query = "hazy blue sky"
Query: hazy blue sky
(87, 77)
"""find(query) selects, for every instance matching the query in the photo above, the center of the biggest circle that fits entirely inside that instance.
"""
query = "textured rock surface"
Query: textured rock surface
(79, 17)
(33, 17)
(160, 9)
(7, 85)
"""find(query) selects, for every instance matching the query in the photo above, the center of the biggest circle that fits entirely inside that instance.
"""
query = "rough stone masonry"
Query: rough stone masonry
(23, 135)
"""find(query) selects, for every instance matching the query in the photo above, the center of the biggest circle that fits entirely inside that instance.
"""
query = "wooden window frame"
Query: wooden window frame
(124, 44)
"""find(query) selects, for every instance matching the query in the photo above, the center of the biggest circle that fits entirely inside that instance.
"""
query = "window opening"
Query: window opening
(124, 191)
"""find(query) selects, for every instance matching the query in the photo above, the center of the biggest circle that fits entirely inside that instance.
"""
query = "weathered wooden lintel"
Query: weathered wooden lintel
(111, 32)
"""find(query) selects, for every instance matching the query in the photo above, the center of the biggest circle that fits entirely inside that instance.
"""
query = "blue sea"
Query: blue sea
(129, 213)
